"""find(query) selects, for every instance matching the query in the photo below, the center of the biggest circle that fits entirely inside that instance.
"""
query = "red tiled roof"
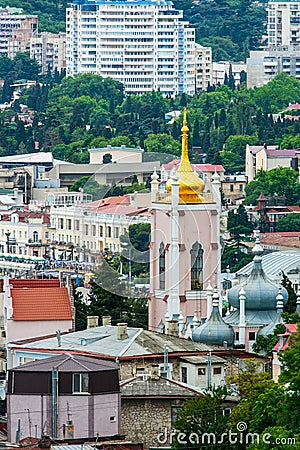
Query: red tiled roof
(290, 328)
(44, 303)
(117, 200)
(281, 241)
(281, 234)
(29, 283)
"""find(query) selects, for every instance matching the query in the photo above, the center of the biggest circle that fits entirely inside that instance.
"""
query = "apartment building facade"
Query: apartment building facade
(16, 30)
(283, 23)
(143, 44)
(204, 67)
(264, 65)
(89, 229)
(49, 50)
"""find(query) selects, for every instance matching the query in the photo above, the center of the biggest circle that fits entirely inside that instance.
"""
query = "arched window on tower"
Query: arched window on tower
(162, 266)
(196, 267)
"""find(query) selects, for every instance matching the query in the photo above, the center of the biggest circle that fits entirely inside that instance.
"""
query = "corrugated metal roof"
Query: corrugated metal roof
(73, 447)
(275, 263)
(103, 341)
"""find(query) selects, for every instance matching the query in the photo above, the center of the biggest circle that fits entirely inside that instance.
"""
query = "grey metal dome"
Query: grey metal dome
(269, 329)
(260, 290)
(214, 331)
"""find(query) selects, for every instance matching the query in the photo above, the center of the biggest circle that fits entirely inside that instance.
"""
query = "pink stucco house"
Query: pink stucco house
(35, 308)
(64, 396)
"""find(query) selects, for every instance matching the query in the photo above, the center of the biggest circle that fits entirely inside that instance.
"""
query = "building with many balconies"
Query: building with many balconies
(144, 45)
(49, 50)
(16, 29)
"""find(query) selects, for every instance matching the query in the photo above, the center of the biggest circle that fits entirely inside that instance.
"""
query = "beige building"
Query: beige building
(121, 154)
(233, 187)
(16, 29)
(49, 50)
(91, 228)
(24, 233)
(266, 158)
(204, 65)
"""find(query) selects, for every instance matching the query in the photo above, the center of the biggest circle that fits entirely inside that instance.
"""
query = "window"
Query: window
(237, 336)
(77, 225)
(69, 224)
(201, 371)
(116, 232)
(112, 419)
(61, 224)
(226, 411)
(93, 230)
(251, 335)
(35, 236)
(217, 370)
(162, 266)
(196, 267)
(80, 382)
(108, 232)
(231, 188)
(101, 231)
(241, 188)
(86, 230)
(184, 374)
(174, 413)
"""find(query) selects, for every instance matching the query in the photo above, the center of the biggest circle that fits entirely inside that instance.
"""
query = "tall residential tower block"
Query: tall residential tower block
(145, 45)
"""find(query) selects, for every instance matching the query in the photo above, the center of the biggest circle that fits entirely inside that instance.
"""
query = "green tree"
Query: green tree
(278, 93)
(110, 296)
(289, 223)
(290, 306)
(281, 181)
(265, 344)
(162, 143)
(201, 416)
(238, 222)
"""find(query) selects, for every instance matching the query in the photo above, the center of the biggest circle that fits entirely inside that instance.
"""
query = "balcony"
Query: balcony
(32, 243)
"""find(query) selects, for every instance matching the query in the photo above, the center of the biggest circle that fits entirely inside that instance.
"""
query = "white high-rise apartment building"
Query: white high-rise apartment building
(143, 44)
(283, 27)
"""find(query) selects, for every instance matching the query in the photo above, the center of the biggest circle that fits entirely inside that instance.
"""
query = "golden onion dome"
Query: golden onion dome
(190, 185)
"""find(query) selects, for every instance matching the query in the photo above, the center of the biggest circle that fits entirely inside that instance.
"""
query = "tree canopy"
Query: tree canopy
(281, 181)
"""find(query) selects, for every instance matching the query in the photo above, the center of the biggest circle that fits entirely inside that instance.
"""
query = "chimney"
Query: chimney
(106, 320)
(173, 327)
(92, 321)
(122, 331)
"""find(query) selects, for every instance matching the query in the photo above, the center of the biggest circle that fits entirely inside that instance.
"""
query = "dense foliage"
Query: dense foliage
(281, 182)
(71, 115)
(231, 28)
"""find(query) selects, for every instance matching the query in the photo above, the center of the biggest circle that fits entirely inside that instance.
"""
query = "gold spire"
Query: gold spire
(190, 185)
